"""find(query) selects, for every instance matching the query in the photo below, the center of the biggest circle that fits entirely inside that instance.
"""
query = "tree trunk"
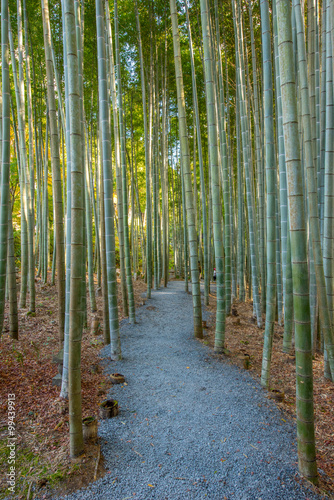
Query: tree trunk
(303, 341)
(196, 291)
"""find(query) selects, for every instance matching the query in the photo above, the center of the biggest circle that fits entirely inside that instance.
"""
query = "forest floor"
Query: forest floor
(41, 416)
(41, 419)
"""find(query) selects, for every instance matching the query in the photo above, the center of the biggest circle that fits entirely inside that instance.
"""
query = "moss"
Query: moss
(29, 468)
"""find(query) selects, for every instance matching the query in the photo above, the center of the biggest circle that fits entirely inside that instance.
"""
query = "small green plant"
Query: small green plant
(18, 355)
(31, 468)
(36, 348)
(55, 477)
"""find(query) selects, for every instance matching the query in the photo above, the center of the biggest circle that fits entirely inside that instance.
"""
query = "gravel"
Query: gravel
(190, 426)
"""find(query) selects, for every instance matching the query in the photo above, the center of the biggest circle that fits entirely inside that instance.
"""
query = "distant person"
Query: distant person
(199, 270)
(214, 274)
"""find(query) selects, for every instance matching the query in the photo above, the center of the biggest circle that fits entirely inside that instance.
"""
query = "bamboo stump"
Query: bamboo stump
(108, 408)
(117, 378)
(89, 429)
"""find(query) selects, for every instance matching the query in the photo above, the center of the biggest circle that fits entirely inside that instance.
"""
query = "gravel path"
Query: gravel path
(189, 426)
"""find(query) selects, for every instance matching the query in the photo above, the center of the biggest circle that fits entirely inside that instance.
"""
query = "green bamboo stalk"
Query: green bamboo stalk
(11, 277)
(64, 385)
(30, 178)
(155, 182)
(5, 159)
(311, 43)
(108, 185)
(77, 243)
(324, 312)
(185, 239)
(164, 172)
(46, 207)
(23, 152)
(303, 341)
(56, 173)
(90, 203)
(259, 164)
(231, 177)
(132, 316)
(11, 259)
(283, 203)
(215, 187)
(11, 266)
(89, 239)
(192, 233)
(241, 215)
(79, 21)
(271, 293)
(321, 168)
(147, 164)
(117, 163)
(328, 232)
(247, 169)
(105, 306)
(224, 170)
(200, 162)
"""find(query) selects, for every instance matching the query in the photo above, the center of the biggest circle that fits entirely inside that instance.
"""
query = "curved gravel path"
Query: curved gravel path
(190, 426)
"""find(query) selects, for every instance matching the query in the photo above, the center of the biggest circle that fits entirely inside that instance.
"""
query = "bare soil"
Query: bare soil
(41, 416)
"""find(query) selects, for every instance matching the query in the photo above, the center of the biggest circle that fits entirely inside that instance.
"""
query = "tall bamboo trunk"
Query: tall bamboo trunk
(132, 316)
(108, 186)
(30, 179)
(324, 310)
(56, 173)
(303, 341)
(271, 192)
(192, 233)
(117, 164)
(5, 170)
(215, 185)
(77, 243)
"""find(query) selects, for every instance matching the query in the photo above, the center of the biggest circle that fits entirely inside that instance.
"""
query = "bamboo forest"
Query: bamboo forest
(167, 190)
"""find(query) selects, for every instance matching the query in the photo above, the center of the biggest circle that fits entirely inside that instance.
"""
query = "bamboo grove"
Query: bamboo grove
(140, 137)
